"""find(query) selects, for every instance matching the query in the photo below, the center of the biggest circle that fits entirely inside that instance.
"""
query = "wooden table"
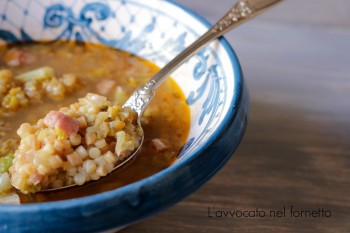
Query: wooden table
(296, 148)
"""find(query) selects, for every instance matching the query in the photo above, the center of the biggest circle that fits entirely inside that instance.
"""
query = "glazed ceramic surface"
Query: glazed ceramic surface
(157, 31)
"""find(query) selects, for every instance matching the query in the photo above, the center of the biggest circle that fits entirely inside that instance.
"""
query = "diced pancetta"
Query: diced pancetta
(105, 86)
(16, 57)
(159, 144)
(57, 119)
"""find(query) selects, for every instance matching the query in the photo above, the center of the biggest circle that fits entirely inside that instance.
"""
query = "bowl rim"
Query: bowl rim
(169, 171)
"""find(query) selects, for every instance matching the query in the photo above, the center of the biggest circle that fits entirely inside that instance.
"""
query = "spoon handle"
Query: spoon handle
(239, 13)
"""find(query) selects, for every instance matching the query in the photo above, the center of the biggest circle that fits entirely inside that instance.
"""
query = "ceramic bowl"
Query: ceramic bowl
(156, 30)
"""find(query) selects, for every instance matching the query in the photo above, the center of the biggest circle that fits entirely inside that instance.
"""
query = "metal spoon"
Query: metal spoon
(140, 99)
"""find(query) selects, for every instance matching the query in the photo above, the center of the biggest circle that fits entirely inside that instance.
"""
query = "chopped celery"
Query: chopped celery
(40, 74)
(5, 163)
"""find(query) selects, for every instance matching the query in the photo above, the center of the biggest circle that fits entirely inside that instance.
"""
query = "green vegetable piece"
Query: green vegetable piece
(40, 74)
(5, 163)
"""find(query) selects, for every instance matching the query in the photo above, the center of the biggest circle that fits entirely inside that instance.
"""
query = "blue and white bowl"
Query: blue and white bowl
(156, 30)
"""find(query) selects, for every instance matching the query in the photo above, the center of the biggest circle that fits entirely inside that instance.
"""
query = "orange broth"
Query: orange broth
(167, 117)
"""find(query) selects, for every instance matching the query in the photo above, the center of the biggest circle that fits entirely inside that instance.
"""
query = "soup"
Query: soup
(75, 70)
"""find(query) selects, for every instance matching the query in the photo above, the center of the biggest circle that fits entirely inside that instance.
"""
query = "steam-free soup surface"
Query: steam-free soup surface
(105, 71)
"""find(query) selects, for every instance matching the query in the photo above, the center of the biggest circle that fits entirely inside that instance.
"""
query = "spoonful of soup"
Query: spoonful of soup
(91, 138)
